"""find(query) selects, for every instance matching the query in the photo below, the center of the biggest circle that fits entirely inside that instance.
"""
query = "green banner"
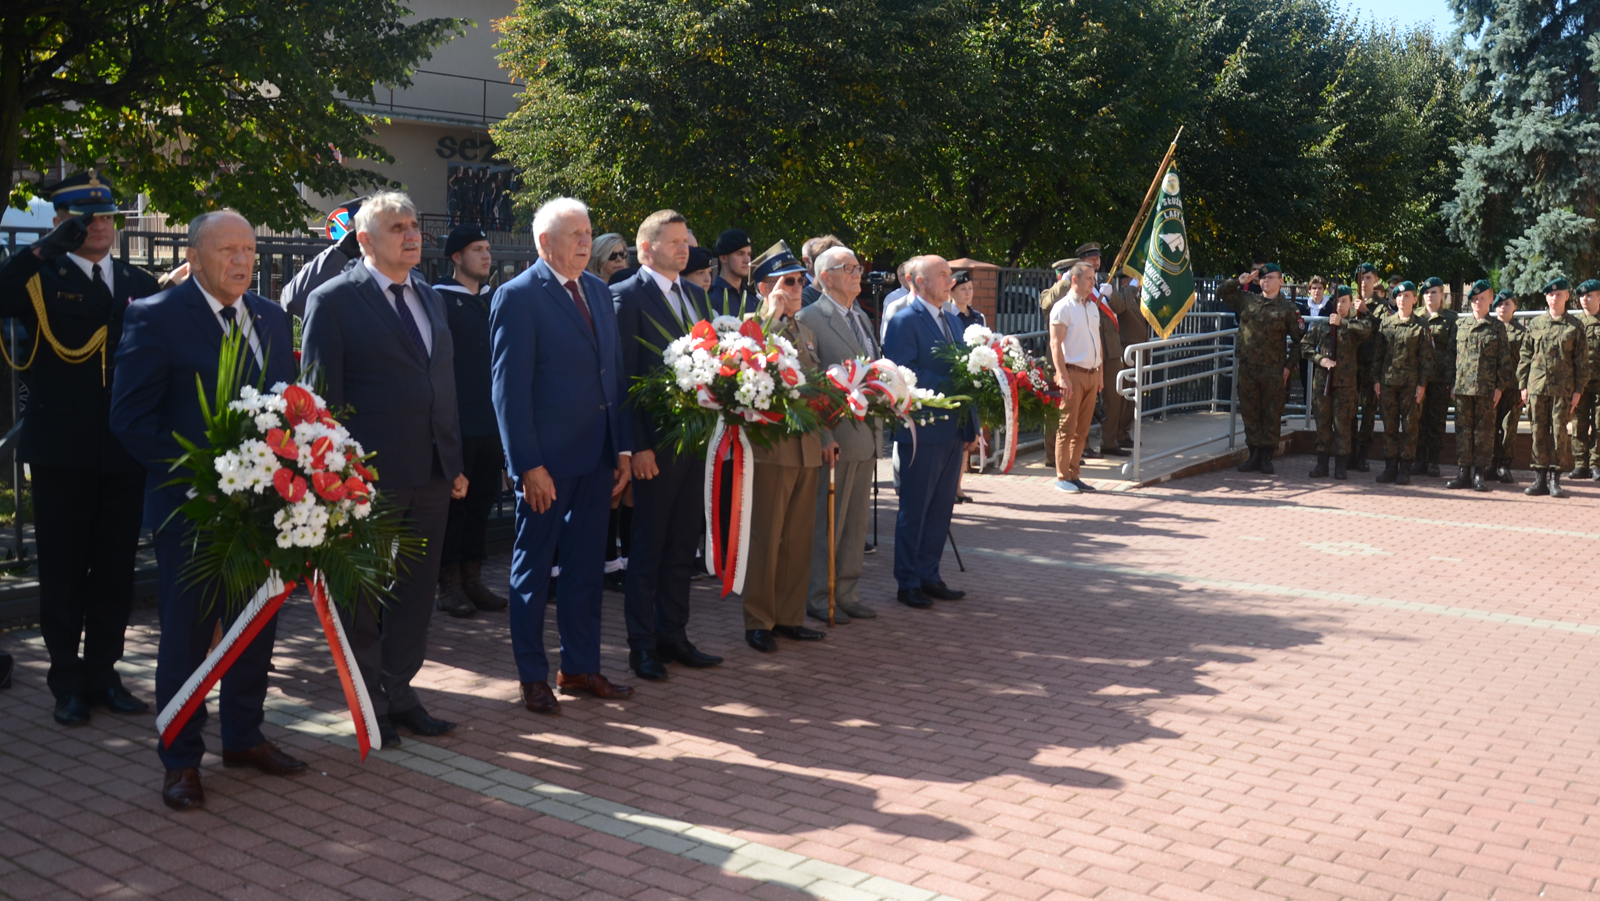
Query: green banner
(1160, 260)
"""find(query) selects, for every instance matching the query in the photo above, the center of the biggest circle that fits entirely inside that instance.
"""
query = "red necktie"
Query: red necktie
(577, 298)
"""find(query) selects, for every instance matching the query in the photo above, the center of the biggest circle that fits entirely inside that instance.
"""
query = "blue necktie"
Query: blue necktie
(407, 321)
(228, 319)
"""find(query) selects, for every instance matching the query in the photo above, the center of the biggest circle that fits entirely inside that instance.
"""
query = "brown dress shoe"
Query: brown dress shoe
(267, 758)
(538, 697)
(182, 790)
(594, 684)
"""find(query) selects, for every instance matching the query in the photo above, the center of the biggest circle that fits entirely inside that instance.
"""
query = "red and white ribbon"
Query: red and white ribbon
(344, 660)
(732, 561)
(1009, 399)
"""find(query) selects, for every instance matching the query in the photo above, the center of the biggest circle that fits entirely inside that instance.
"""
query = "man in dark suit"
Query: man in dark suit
(655, 307)
(928, 476)
(168, 341)
(376, 336)
(559, 388)
(87, 491)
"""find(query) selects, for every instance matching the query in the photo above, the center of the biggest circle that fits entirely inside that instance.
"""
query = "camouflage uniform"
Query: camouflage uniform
(1554, 365)
(1508, 413)
(1402, 361)
(1483, 364)
(1266, 326)
(1440, 378)
(1333, 392)
(1374, 311)
(1586, 420)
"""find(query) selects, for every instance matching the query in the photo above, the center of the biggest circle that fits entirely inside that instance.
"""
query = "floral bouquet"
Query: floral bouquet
(280, 492)
(882, 390)
(1009, 389)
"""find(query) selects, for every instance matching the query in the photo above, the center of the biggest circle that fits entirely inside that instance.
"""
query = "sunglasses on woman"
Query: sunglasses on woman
(618, 257)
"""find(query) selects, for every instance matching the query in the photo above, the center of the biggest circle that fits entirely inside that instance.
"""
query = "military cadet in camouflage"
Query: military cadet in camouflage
(1268, 322)
(1403, 359)
(1370, 305)
(1508, 413)
(1586, 419)
(1436, 406)
(1333, 349)
(1483, 366)
(1553, 368)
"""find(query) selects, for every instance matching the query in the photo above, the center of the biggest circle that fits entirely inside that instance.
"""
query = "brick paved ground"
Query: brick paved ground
(1226, 687)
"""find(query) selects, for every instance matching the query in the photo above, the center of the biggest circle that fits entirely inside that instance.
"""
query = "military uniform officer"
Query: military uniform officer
(1370, 305)
(1333, 349)
(1268, 322)
(1401, 363)
(1436, 405)
(1483, 366)
(1553, 368)
(88, 492)
(1508, 412)
(1586, 419)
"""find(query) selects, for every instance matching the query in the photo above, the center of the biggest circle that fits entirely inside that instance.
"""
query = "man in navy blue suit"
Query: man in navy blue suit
(559, 387)
(928, 475)
(654, 308)
(168, 340)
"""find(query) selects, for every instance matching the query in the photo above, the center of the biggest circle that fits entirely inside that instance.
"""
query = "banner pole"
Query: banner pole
(1150, 195)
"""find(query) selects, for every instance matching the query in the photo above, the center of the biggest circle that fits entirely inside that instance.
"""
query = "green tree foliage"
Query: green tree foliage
(1526, 198)
(203, 103)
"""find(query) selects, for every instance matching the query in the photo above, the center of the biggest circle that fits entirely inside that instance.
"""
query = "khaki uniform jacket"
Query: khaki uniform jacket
(798, 450)
(1266, 326)
(1318, 345)
(1591, 336)
(837, 342)
(1516, 336)
(1404, 353)
(1483, 357)
(1555, 357)
(1442, 336)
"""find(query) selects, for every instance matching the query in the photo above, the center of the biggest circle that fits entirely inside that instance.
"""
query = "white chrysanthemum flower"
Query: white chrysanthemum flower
(285, 539)
(976, 335)
(362, 510)
(727, 323)
(226, 461)
(982, 359)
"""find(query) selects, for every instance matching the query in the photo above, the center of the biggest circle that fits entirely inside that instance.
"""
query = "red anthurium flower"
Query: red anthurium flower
(326, 418)
(356, 490)
(705, 337)
(328, 486)
(319, 452)
(282, 444)
(299, 405)
(364, 471)
(752, 329)
(290, 486)
(791, 376)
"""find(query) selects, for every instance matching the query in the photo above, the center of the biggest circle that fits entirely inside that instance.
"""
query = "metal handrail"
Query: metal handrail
(1132, 384)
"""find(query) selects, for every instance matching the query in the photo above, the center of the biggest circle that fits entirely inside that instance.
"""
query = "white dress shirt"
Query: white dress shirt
(939, 322)
(104, 265)
(678, 304)
(1081, 346)
(413, 302)
(242, 320)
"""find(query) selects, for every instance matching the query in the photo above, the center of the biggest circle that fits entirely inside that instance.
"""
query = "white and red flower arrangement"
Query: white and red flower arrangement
(1009, 389)
(280, 493)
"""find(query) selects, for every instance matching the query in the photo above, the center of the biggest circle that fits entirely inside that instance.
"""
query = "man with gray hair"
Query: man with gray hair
(843, 333)
(380, 339)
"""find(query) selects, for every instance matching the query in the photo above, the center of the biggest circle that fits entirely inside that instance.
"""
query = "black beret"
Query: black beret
(699, 258)
(729, 241)
(962, 277)
(461, 236)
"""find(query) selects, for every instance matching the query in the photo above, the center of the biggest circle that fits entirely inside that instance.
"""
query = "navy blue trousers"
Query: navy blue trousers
(188, 618)
(576, 525)
(927, 497)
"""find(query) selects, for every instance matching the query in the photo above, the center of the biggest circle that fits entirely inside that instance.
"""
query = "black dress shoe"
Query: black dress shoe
(913, 598)
(942, 592)
(72, 710)
(647, 665)
(117, 700)
(388, 735)
(1114, 451)
(1125, 443)
(1090, 453)
(616, 581)
(761, 640)
(799, 633)
(687, 655)
(419, 723)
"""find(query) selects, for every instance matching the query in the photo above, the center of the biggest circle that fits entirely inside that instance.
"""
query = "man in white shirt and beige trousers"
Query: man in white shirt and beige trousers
(1078, 356)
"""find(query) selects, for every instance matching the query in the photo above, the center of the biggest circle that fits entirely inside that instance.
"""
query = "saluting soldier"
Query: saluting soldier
(1508, 412)
(1554, 366)
(1484, 365)
(1403, 360)
(1269, 326)
(88, 492)
(1371, 305)
(1436, 406)
(1586, 419)
(1333, 348)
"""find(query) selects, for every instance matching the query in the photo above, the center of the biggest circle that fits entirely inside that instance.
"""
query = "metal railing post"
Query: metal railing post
(1138, 412)
(1233, 398)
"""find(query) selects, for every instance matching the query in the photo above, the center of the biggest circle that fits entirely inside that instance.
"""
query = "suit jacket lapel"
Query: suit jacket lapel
(840, 327)
(204, 321)
(436, 321)
(556, 292)
(381, 308)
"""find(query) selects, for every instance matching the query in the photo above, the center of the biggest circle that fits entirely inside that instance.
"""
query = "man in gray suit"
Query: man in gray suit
(843, 333)
(377, 337)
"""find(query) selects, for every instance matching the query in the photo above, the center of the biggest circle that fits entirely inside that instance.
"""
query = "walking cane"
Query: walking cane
(831, 544)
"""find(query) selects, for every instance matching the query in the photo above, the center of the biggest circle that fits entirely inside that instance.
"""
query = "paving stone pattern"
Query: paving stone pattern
(1223, 687)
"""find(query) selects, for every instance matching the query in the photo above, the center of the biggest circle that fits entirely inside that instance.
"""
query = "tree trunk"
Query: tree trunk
(13, 51)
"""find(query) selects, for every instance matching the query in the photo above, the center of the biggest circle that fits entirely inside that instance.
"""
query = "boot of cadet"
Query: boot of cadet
(1503, 472)
(1358, 461)
(1388, 475)
(1266, 461)
(1478, 483)
(1555, 484)
(452, 599)
(1580, 472)
(1339, 467)
(1463, 479)
(1253, 464)
(1419, 466)
(1433, 463)
(1540, 487)
(1320, 471)
(472, 586)
(1402, 473)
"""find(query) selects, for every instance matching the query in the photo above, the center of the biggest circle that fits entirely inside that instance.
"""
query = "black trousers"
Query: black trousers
(86, 528)
(668, 519)
(468, 521)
